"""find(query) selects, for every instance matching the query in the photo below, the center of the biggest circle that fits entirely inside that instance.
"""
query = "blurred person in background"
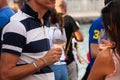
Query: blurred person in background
(75, 47)
(78, 58)
(26, 53)
(14, 7)
(5, 13)
(71, 28)
(75, 50)
(60, 67)
(20, 3)
(107, 62)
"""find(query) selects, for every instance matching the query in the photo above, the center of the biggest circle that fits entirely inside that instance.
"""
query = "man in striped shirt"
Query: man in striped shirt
(26, 53)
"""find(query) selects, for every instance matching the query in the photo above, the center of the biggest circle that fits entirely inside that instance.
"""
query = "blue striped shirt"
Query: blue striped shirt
(27, 38)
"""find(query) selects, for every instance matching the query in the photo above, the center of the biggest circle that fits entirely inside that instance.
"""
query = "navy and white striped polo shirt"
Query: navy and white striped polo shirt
(25, 37)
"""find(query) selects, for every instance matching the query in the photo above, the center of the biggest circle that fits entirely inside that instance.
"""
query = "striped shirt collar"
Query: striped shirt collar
(26, 9)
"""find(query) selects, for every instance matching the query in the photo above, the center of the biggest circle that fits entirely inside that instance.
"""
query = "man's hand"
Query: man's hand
(52, 56)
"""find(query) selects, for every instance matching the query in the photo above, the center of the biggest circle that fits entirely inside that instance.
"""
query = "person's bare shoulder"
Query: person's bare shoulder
(105, 55)
(99, 69)
(105, 58)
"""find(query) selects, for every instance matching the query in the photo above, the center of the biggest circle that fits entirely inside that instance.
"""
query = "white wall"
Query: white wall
(84, 5)
(86, 10)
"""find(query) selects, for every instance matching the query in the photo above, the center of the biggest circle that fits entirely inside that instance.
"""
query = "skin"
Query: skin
(78, 35)
(59, 9)
(103, 66)
(3, 3)
(94, 50)
(20, 5)
(8, 61)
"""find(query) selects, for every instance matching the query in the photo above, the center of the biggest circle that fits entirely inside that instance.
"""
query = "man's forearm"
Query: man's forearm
(19, 72)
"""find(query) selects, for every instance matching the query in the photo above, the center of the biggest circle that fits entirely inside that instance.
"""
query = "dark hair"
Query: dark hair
(53, 16)
(56, 18)
(111, 21)
(27, 0)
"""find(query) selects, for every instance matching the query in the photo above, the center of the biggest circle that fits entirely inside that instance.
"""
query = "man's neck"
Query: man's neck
(37, 8)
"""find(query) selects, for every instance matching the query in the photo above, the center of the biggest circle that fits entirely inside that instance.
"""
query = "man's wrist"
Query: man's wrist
(39, 64)
(43, 61)
(36, 66)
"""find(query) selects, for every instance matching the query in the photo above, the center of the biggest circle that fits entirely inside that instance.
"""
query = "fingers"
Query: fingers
(57, 58)
(57, 51)
(53, 55)
(57, 54)
(108, 43)
(104, 41)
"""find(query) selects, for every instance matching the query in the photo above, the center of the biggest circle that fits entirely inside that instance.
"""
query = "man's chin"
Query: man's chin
(52, 7)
